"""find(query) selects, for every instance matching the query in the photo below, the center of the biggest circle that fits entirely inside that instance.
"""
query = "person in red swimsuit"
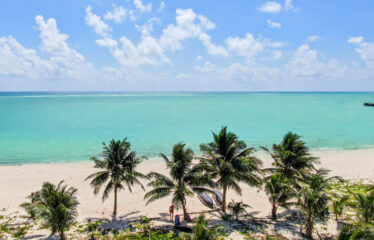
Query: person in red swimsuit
(171, 212)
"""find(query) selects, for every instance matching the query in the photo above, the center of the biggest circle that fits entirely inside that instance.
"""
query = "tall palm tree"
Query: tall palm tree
(228, 162)
(365, 205)
(56, 206)
(313, 200)
(182, 182)
(279, 191)
(118, 164)
(292, 157)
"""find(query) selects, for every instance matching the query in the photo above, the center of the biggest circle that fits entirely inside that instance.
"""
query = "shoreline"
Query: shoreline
(259, 152)
(18, 181)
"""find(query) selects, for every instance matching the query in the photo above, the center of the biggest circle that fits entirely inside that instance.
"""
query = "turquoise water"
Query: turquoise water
(53, 127)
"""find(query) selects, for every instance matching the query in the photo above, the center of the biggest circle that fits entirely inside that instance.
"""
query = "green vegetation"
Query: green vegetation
(55, 206)
(237, 209)
(278, 188)
(202, 231)
(228, 162)
(183, 182)
(119, 170)
(293, 180)
(292, 158)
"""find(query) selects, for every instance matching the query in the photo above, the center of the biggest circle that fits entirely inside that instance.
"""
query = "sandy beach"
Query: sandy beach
(16, 182)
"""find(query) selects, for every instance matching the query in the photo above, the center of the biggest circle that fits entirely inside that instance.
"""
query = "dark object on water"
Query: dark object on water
(369, 104)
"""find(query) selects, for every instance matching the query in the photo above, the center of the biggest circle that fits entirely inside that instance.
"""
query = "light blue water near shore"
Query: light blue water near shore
(54, 127)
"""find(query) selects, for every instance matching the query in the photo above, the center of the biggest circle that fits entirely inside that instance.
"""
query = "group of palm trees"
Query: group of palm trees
(225, 164)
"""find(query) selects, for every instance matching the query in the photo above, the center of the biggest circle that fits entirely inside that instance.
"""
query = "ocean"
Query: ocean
(51, 127)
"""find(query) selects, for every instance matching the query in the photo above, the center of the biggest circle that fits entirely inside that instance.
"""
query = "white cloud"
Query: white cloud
(277, 54)
(99, 26)
(63, 62)
(272, 24)
(16, 60)
(199, 58)
(161, 7)
(190, 25)
(141, 7)
(118, 14)
(312, 38)
(364, 49)
(250, 47)
(270, 7)
(152, 51)
(206, 67)
(288, 5)
(356, 40)
(305, 63)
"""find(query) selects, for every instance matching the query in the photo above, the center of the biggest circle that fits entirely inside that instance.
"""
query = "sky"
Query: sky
(179, 45)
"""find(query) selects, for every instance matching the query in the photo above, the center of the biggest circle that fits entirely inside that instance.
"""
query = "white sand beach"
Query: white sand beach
(16, 182)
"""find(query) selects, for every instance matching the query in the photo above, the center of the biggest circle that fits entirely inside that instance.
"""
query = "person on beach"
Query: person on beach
(171, 212)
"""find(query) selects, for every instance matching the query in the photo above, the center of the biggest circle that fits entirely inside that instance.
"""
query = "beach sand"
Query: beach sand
(16, 182)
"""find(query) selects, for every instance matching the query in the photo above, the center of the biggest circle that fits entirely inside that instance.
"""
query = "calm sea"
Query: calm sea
(55, 127)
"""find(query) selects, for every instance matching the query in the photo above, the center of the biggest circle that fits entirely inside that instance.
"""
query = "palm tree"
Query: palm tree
(279, 191)
(238, 208)
(357, 231)
(338, 205)
(292, 157)
(365, 206)
(228, 162)
(313, 199)
(182, 182)
(201, 231)
(56, 206)
(118, 166)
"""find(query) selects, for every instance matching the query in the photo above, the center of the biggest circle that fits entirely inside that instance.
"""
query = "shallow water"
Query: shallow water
(53, 127)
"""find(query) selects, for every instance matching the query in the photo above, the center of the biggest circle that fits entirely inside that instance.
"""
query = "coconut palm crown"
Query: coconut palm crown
(228, 162)
(182, 182)
(118, 170)
(55, 206)
(278, 189)
(292, 157)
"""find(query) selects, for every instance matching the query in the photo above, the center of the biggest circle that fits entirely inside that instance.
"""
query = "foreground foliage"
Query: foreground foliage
(55, 206)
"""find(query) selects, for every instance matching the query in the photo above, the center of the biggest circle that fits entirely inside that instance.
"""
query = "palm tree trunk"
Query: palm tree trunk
(309, 228)
(184, 212)
(224, 199)
(115, 202)
(274, 212)
(62, 235)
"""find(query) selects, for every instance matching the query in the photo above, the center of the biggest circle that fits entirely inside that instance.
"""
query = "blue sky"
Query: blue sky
(215, 45)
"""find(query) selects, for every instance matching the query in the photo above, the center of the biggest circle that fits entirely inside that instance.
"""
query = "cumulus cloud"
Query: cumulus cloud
(249, 47)
(270, 7)
(161, 7)
(99, 26)
(141, 7)
(153, 51)
(63, 62)
(272, 24)
(364, 49)
(312, 38)
(206, 67)
(118, 14)
(288, 5)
